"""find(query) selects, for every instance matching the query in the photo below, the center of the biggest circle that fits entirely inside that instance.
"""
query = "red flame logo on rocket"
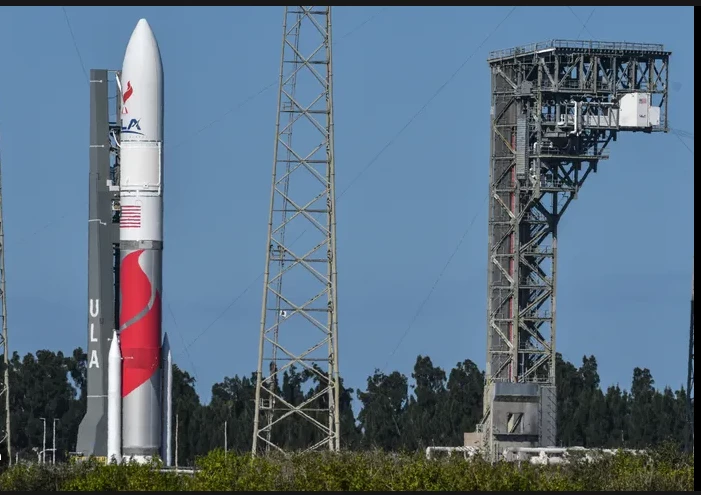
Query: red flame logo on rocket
(127, 94)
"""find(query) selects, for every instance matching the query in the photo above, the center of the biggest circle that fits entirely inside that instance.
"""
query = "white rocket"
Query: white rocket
(140, 418)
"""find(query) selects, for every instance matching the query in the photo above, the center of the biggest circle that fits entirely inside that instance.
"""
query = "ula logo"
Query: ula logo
(132, 128)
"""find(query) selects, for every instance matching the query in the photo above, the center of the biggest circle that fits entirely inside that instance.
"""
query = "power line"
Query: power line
(75, 43)
(584, 24)
(682, 133)
(679, 137)
(182, 339)
(435, 284)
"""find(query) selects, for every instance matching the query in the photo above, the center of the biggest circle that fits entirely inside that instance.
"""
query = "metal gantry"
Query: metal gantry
(299, 321)
(555, 107)
(103, 254)
(5, 427)
(690, 375)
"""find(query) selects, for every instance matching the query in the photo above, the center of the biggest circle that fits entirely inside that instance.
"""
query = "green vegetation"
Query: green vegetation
(662, 471)
(395, 414)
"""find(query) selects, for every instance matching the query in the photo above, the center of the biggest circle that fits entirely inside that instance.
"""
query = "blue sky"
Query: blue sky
(625, 245)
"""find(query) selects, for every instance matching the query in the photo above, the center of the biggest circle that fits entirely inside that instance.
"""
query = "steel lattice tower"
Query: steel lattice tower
(555, 107)
(6, 431)
(299, 325)
(690, 374)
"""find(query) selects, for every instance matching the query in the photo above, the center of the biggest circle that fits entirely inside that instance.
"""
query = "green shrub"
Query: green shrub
(663, 470)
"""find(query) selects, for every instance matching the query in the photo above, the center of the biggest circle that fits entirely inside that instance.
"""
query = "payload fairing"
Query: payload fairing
(139, 368)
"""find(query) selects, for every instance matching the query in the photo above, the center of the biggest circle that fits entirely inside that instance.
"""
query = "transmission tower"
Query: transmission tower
(690, 375)
(555, 107)
(5, 430)
(299, 325)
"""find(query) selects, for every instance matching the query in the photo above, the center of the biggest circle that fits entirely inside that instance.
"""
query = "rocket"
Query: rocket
(139, 422)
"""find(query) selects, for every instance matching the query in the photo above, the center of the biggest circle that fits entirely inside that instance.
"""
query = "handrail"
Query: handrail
(618, 46)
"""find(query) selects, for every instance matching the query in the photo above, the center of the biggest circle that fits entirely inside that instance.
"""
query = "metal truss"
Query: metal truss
(5, 431)
(690, 376)
(299, 326)
(555, 108)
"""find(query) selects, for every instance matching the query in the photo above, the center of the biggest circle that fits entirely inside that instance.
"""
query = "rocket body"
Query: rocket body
(141, 243)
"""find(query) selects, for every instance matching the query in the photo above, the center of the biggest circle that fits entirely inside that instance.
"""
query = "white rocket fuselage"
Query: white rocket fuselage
(141, 244)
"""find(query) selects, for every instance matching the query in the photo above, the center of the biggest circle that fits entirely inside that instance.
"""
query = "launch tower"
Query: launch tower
(5, 430)
(299, 321)
(690, 375)
(103, 254)
(555, 107)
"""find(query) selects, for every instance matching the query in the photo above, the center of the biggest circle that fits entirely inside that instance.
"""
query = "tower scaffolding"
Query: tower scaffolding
(690, 375)
(5, 426)
(555, 107)
(299, 326)
(104, 256)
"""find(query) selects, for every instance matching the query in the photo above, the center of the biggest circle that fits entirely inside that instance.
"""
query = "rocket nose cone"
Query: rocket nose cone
(143, 26)
(142, 33)
(142, 46)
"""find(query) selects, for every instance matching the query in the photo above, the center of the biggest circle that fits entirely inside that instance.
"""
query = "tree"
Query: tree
(427, 412)
(642, 413)
(383, 406)
(436, 412)
(464, 401)
(187, 411)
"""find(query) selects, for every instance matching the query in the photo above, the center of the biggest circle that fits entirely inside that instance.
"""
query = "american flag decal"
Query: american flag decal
(130, 217)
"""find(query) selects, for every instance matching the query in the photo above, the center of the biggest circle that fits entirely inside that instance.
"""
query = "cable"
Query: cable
(679, 137)
(75, 44)
(231, 304)
(360, 26)
(435, 284)
(584, 24)
(682, 133)
(374, 159)
(189, 358)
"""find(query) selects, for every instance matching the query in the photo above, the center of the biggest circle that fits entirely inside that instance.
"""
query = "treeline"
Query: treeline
(394, 415)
